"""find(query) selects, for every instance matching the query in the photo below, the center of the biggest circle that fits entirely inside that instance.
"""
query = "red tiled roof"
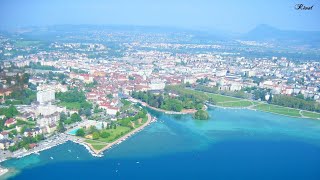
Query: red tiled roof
(4, 133)
(10, 121)
(31, 146)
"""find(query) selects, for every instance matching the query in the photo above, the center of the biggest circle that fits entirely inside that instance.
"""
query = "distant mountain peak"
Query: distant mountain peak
(265, 27)
(264, 32)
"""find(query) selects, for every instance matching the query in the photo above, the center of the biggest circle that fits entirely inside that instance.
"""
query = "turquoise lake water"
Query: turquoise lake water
(233, 144)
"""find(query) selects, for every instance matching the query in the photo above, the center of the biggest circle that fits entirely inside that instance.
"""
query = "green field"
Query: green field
(227, 101)
(241, 103)
(216, 97)
(311, 114)
(256, 103)
(144, 120)
(71, 106)
(115, 133)
(221, 98)
(29, 123)
(96, 144)
(278, 110)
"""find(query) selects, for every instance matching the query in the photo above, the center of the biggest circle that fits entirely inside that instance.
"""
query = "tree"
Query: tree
(95, 135)
(61, 127)
(97, 109)
(104, 134)
(92, 129)
(25, 78)
(86, 112)
(8, 79)
(1, 124)
(300, 96)
(80, 132)
(201, 115)
(199, 106)
(9, 112)
(75, 117)
(23, 129)
(39, 137)
(110, 96)
(63, 116)
(173, 105)
(131, 78)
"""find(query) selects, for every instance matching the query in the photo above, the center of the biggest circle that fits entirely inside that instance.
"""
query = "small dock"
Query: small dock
(3, 171)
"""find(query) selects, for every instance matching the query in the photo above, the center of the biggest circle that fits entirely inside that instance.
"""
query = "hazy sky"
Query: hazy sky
(231, 15)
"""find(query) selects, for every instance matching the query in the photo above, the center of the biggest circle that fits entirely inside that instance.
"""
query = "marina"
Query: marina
(62, 138)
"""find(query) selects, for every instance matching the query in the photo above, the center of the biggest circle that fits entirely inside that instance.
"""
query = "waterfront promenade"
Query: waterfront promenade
(44, 145)
(3, 171)
(58, 139)
(109, 145)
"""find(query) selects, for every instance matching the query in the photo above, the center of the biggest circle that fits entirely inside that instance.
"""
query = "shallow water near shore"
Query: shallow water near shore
(233, 144)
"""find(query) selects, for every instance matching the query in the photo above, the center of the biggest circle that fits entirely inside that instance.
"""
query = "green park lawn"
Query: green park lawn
(241, 103)
(28, 123)
(221, 98)
(227, 101)
(256, 103)
(100, 143)
(115, 133)
(278, 110)
(72, 105)
(96, 144)
(311, 114)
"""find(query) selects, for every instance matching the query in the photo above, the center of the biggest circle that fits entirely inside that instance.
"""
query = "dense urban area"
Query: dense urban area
(90, 87)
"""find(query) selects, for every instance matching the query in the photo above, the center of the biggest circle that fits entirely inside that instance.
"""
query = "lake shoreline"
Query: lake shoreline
(118, 141)
(249, 108)
(77, 140)
(184, 111)
(237, 126)
(3, 171)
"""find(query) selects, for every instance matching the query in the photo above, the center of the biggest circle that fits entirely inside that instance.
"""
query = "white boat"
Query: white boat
(51, 157)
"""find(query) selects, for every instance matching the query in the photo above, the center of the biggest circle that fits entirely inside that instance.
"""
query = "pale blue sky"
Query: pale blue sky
(231, 15)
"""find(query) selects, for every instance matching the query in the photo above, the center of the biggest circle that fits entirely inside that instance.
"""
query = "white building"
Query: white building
(235, 87)
(48, 120)
(221, 73)
(190, 80)
(44, 96)
(48, 109)
(157, 85)
(57, 87)
(112, 110)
